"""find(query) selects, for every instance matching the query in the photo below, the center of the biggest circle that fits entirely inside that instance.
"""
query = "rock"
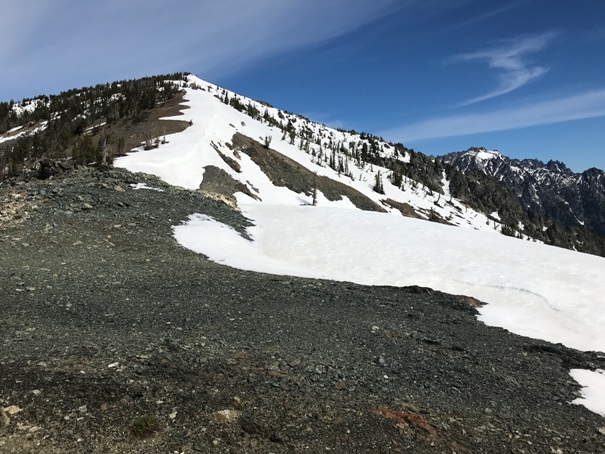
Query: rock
(48, 169)
(342, 384)
(12, 409)
(250, 427)
(273, 366)
(65, 165)
(4, 419)
(226, 416)
(407, 420)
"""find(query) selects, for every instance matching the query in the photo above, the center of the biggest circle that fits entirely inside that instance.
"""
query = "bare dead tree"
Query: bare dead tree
(148, 135)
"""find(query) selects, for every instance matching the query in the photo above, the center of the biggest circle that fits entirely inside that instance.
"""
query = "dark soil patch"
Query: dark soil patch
(218, 184)
(404, 208)
(152, 127)
(286, 172)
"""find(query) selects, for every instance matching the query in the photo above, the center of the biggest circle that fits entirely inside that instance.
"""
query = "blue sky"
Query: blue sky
(526, 77)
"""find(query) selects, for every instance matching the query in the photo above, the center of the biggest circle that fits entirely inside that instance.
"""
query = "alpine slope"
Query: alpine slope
(319, 210)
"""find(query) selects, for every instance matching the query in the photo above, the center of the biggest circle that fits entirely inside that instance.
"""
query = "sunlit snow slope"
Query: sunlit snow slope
(181, 162)
(531, 289)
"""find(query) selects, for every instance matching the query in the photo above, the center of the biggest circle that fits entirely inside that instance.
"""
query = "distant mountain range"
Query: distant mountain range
(551, 189)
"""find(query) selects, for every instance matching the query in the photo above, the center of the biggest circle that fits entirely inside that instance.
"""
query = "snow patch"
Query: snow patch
(485, 155)
(559, 303)
(144, 186)
(593, 389)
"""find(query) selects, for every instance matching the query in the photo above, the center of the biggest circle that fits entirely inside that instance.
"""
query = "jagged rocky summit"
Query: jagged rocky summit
(574, 199)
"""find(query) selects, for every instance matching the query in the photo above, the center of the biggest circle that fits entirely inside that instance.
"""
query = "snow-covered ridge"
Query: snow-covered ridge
(326, 151)
(20, 109)
(28, 106)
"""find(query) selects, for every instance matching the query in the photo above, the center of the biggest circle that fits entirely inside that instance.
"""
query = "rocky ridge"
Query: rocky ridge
(116, 339)
(574, 199)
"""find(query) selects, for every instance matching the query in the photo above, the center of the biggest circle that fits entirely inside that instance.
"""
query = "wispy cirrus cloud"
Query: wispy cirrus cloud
(68, 43)
(489, 14)
(510, 58)
(588, 104)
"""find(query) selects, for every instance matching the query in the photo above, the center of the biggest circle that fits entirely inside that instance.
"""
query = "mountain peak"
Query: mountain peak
(284, 157)
(558, 166)
(483, 154)
(552, 188)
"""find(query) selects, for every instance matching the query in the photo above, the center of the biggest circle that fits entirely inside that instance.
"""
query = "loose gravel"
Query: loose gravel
(115, 339)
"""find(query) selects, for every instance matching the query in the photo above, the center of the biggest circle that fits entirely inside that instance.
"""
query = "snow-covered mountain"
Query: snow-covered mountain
(256, 147)
(331, 204)
(319, 210)
(93, 125)
(574, 199)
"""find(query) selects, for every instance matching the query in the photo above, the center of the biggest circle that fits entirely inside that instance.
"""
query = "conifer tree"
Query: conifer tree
(378, 187)
(267, 141)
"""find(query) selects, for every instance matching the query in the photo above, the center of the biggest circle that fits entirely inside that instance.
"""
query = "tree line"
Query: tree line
(56, 124)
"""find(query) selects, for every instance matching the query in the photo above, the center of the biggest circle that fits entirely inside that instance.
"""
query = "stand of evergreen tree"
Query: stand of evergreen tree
(67, 116)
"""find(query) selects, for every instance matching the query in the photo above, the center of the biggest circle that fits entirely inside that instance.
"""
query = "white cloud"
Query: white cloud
(579, 106)
(510, 57)
(77, 43)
